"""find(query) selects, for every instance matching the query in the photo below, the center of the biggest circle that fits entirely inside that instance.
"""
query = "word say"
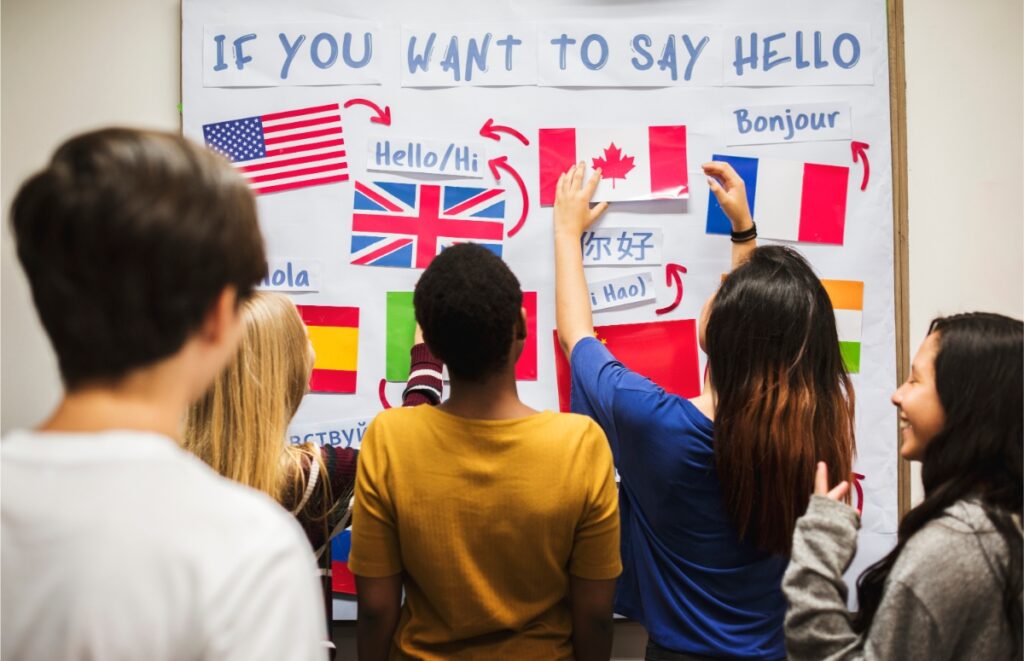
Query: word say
(788, 54)
(293, 275)
(463, 159)
(254, 55)
(616, 246)
(808, 122)
(622, 291)
(344, 433)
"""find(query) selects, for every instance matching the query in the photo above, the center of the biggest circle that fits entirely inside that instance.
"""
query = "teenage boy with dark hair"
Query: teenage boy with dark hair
(500, 522)
(116, 543)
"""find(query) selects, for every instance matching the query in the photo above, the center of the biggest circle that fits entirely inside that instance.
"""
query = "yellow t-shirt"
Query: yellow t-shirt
(486, 519)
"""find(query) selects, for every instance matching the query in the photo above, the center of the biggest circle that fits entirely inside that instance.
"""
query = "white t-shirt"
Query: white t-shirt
(121, 545)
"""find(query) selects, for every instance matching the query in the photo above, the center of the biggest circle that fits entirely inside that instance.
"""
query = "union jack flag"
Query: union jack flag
(284, 150)
(407, 225)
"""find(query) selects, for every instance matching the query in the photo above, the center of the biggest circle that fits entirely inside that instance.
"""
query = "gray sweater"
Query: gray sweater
(942, 599)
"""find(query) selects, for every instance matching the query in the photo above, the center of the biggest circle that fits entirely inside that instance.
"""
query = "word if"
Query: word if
(323, 51)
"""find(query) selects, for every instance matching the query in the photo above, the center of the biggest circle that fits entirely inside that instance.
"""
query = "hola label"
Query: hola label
(291, 275)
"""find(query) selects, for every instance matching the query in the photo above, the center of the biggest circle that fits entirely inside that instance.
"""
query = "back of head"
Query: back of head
(784, 398)
(128, 237)
(468, 304)
(239, 426)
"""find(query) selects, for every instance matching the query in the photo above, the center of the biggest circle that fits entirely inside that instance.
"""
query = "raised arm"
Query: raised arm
(731, 193)
(572, 215)
(424, 385)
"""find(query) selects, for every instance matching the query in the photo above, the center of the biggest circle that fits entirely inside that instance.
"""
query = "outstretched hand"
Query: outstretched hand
(731, 193)
(573, 213)
(837, 492)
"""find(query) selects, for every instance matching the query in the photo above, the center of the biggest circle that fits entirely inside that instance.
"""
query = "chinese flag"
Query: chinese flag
(663, 351)
(334, 332)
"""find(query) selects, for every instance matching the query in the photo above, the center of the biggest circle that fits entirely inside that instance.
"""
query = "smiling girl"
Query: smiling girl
(951, 588)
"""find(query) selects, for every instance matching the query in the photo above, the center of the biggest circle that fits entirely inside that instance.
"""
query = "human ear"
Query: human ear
(521, 325)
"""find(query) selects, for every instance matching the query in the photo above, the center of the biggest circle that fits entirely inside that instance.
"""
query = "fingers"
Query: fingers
(577, 176)
(592, 184)
(598, 209)
(723, 172)
(716, 188)
(839, 491)
(821, 479)
(560, 187)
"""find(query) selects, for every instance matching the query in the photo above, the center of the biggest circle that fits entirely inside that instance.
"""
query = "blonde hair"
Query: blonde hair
(239, 427)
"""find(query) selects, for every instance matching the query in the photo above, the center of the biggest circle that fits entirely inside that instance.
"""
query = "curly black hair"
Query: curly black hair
(468, 304)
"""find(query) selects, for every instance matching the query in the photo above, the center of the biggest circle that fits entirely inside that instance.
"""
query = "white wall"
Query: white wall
(117, 61)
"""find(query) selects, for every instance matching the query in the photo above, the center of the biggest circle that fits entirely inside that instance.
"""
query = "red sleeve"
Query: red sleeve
(424, 386)
(341, 474)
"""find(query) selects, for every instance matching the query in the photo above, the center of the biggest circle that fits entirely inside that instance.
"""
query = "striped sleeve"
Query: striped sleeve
(424, 385)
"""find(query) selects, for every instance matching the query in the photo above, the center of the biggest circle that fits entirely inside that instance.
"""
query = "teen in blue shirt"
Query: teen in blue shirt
(711, 487)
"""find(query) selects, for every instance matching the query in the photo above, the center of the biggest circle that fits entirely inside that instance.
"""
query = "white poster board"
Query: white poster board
(507, 69)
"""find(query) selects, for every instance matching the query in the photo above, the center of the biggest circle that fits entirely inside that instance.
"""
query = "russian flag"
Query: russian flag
(342, 579)
(637, 163)
(790, 201)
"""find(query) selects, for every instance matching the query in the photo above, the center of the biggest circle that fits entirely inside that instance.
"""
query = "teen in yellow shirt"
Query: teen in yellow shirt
(500, 522)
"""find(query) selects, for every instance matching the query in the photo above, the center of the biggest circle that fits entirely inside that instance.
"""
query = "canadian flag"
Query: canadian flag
(637, 163)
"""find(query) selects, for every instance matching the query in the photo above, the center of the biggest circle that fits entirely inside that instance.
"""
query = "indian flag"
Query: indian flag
(334, 332)
(848, 301)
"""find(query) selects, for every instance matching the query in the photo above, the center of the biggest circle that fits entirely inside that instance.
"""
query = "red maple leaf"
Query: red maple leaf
(613, 165)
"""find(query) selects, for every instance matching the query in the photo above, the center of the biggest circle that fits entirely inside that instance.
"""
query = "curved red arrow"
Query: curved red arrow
(383, 116)
(673, 275)
(502, 163)
(857, 477)
(383, 395)
(491, 130)
(860, 150)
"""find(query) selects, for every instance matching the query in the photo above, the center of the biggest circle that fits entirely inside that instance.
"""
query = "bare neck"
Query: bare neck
(705, 401)
(151, 401)
(495, 398)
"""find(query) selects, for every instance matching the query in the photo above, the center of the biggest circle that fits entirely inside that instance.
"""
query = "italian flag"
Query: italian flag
(637, 163)
(848, 302)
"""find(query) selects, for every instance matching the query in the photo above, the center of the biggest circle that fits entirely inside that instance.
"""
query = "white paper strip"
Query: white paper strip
(293, 275)
(797, 122)
(446, 55)
(621, 246)
(622, 291)
(346, 433)
(797, 53)
(458, 158)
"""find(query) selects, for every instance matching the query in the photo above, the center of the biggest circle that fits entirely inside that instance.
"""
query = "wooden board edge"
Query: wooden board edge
(900, 226)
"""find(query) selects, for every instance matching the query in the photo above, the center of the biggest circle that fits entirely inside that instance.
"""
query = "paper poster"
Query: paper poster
(347, 433)
(793, 122)
(275, 54)
(790, 201)
(407, 225)
(401, 327)
(797, 53)
(586, 53)
(291, 275)
(284, 150)
(334, 332)
(663, 351)
(452, 158)
(847, 298)
(621, 246)
(637, 163)
(446, 55)
(622, 291)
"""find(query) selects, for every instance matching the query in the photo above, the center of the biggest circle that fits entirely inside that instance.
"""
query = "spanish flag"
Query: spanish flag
(334, 332)
(848, 302)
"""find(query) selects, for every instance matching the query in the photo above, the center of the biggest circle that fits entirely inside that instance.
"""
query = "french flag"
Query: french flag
(637, 163)
(790, 201)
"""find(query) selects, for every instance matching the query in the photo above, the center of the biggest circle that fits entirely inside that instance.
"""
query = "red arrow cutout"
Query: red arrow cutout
(673, 275)
(383, 395)
(383, 116)
(860, 151)
(857, 477)
(491, 130)
(502, 163)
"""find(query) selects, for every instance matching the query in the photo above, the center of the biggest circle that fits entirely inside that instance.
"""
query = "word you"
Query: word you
(463, 159)
(757, 125)
(338, 433)
(614, 246)
(294, 275)
(622, 291)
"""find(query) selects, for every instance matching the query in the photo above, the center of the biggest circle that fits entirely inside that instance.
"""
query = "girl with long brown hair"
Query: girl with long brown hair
(711, 487)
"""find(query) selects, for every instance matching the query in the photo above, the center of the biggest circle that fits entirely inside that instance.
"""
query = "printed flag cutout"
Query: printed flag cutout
(342, 579)
(790, 201)
(407, 225)
(334, 332)
(848, 302)
(401, 327)
(637, 163)
(284, 150)
(663, 351)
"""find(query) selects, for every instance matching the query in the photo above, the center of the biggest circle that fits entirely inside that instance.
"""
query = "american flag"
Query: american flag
(284, 150)
(407, 225)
